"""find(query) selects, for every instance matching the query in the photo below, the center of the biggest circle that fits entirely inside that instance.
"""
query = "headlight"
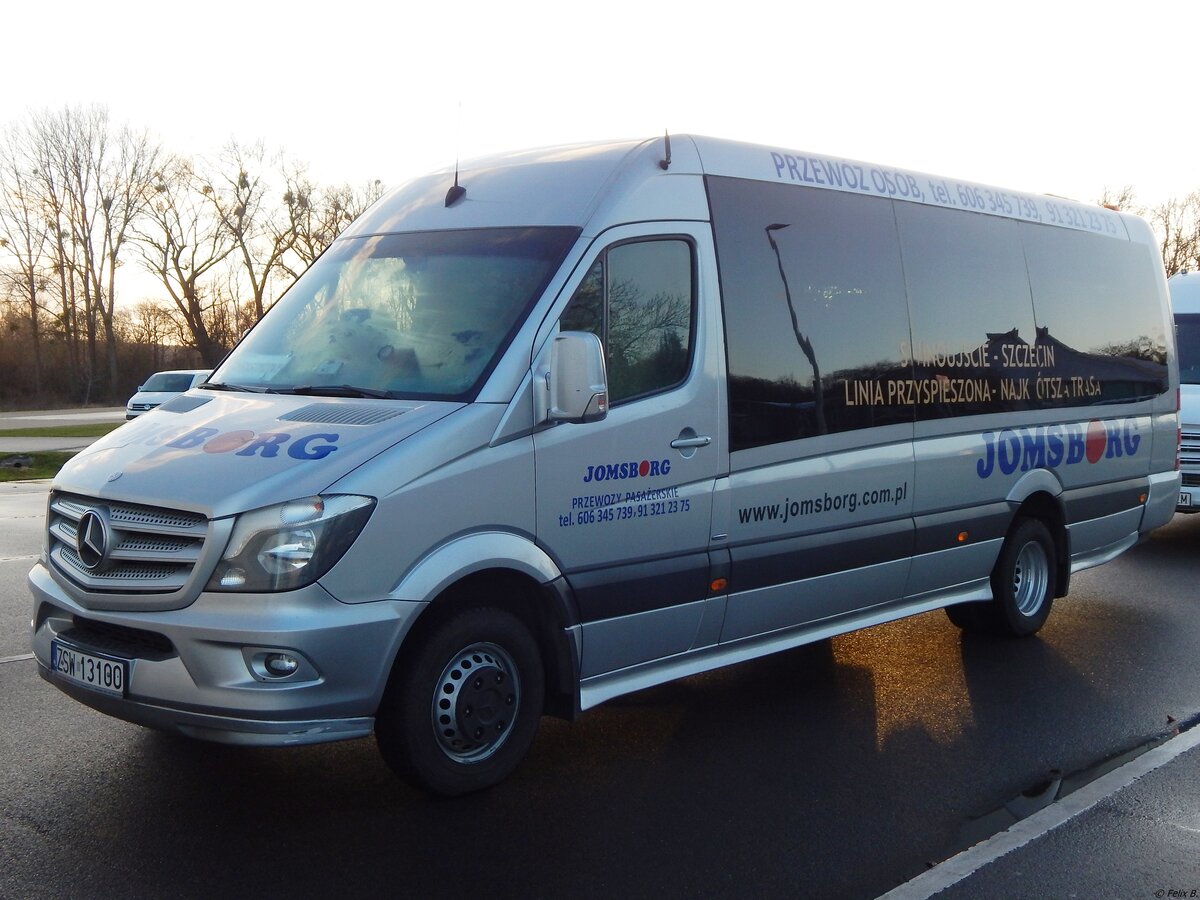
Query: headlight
(284, 547)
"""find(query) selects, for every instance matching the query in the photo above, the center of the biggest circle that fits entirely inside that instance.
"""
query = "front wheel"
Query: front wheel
(461, 709)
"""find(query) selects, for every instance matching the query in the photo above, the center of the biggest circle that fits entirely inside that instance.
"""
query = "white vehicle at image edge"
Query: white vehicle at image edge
(161, 387)
(1185, 304)
(583, 420)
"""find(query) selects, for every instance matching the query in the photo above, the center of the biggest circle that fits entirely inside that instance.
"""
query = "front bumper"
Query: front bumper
(197, 670)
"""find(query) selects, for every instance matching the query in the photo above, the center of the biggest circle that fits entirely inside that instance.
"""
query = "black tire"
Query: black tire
(1022, 586)
(1023, 579)
(462, 706)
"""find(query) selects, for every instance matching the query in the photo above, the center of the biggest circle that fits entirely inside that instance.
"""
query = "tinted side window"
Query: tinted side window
(815, 319)
(1187, 338)
(638, 298)
(974, 337)
(1097, 316)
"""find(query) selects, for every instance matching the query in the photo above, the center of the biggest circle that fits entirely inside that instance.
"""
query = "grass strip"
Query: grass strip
(95, 429)
(45, 464)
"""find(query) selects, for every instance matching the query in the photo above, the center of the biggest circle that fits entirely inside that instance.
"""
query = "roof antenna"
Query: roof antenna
(457, 192)
(665, 163)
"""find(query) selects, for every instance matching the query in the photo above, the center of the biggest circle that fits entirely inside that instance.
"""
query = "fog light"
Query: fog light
(280, 664)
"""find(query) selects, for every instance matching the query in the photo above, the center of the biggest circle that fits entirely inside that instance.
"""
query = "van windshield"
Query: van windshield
(1187, 337)
(423, 315)
(168, 381)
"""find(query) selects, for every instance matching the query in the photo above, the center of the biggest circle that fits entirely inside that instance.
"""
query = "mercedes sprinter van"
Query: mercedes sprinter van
(568, 423)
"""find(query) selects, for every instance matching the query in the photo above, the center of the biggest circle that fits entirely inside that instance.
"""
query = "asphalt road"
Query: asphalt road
(836, 770)
(51, 419)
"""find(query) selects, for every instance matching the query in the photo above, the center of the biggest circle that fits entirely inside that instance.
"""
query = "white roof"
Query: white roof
(572, 185)
(1185, 292)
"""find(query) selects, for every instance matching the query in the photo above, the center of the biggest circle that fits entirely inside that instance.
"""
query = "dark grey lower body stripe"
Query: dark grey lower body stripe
(813, 555)
(660, 583)
(1104, 499)
(940, 531)
(640, 587)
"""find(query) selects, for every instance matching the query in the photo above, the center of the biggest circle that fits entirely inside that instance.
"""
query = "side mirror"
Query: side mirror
(577, 380)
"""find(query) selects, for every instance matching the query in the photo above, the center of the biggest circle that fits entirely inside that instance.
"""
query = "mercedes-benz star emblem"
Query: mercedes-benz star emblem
(91, 541)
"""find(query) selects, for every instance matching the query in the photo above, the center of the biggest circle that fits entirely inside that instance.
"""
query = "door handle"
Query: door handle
(683, 443)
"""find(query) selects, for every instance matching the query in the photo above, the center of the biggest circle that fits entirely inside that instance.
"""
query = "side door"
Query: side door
(625, 504)
(821, 473)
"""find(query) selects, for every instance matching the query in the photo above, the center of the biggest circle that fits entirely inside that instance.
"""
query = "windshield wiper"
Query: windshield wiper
(226, 386)
(333, 390)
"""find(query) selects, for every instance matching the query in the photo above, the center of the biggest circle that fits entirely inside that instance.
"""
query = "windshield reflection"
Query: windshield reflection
(400, 315)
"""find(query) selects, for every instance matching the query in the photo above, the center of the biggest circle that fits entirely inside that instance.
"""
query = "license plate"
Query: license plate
(1185, 499)
(100, 673)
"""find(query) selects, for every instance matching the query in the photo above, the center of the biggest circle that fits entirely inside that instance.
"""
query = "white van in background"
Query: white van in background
(582, 420)
(1185, 304)
(161, 387)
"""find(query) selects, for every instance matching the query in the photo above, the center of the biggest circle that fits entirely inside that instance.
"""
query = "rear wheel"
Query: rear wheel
(1023, 580)
(1022, 585)
(461, 709)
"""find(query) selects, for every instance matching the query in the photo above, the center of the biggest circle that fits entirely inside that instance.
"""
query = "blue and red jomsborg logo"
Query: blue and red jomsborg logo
(1051, 446)
(243, 442)
(647, 468)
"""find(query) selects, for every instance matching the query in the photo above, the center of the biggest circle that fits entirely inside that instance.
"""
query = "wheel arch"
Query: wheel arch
(509, 572)
(1042, 499)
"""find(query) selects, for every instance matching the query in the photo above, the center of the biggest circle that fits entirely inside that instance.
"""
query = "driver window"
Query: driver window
(638, 298)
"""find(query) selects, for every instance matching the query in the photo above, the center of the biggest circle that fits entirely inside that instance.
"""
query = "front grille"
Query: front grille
(1189, 450)
(1191, 480)
(148, 550)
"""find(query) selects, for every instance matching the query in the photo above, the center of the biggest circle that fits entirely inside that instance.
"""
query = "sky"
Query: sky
(1067, 98)
(1058, 97)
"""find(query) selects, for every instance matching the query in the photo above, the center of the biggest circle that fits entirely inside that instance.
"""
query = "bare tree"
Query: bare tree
(77, 192)
(149, 324)
(262, 234)
(63, 285)
(1124, 200)
(182, 241)
(319, 215)
(125, 185)
(95, 182)
(1177, 223)
(24, 236)
(231, 313)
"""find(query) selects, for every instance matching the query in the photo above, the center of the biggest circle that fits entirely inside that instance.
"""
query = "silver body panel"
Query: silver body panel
(679, 559)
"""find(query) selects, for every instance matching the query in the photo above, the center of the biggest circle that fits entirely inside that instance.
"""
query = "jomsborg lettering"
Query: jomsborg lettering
(1050, 446)
(615, 471)
(247, 443)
